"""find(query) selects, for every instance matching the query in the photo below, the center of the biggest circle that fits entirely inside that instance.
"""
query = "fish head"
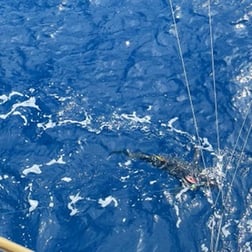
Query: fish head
(190, 179)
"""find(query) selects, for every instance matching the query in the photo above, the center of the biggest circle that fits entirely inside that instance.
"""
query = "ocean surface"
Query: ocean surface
(81, 79)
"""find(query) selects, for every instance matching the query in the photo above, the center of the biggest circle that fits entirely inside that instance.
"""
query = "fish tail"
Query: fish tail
(132, 155)
(125, 152)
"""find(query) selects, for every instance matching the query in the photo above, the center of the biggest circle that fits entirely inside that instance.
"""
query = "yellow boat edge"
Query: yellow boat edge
(10, 246)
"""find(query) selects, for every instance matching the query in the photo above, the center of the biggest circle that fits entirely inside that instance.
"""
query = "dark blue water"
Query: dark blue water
(80, 79)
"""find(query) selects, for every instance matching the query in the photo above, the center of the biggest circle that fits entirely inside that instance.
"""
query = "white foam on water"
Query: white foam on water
(148, 199)
(62, 5)
(36, 168)
(181, 193)
(5, 98)
(135, 118)
(127, 43)
(124, 178)
(245, 76)
(66, 179)
(33, 169)
(247, 247)
(56, 161)
(206, 145)
(204, 248)
(125, 121)
(170, 127)
(51, 204)
(168, 197)
(33, 205)
(71, 205)
(107, 201)
(245, 223)
(127, 163)
(153, 182)
(170, 200)
(225, 230)
(31, 102)
(156, 218)
(249, 225)
(84, 123)
(50, 124)
(5, 176)
(177, 213)
(22, 116)
(96, 125)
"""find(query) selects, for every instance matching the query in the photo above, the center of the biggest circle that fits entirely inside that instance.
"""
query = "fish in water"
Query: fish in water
(188, 173)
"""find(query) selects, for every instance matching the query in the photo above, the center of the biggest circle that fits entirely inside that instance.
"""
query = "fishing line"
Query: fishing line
(186, 81)
(213, 76)
(239, 162)
(234, 150)
(189, 92)
(215, 103)
(231, 184)
(220, 193)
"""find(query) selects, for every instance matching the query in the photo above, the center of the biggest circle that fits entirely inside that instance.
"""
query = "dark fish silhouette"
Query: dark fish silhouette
(188, 173)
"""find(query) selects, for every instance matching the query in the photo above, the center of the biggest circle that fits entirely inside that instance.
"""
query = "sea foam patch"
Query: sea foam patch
(96, 125)
(170, 127)
(135, 118)
(31, 102)
(66, 179)
(33, 204)
(56, 161)
(71, 205)
(4, 98)
(36, 168)
(33, 169)
(107, 201)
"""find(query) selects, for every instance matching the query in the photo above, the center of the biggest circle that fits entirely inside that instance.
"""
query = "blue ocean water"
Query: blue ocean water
(80, 79)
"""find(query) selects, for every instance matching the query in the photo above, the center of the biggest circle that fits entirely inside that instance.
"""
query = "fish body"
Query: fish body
(188, 173)
(174, 167)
